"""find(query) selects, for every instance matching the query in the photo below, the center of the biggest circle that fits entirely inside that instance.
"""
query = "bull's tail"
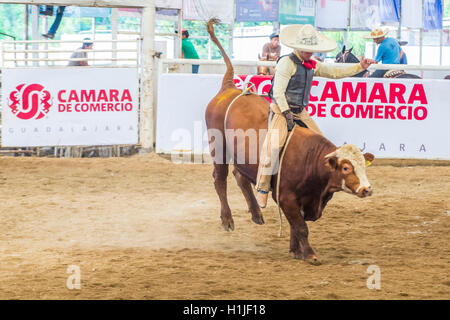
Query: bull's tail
(229, 75)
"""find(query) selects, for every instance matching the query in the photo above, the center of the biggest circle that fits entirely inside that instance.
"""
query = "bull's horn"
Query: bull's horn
(333, 154)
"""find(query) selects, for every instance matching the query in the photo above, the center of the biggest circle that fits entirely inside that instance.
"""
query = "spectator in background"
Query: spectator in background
(188, 50)
(271, 50)
(388, 50)
(87, 45)
(52, 31)
(403, 58)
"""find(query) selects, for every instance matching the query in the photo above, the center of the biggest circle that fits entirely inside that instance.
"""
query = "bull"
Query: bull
(313, 168)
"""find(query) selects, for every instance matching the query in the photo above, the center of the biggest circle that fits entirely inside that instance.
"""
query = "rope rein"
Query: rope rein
(280, 231)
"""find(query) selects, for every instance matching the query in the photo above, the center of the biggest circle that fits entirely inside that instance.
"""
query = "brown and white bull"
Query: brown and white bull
(313, 168)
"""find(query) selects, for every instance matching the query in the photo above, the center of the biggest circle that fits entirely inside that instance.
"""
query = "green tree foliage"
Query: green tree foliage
(11, 21)
(446, 8)
(198, 29)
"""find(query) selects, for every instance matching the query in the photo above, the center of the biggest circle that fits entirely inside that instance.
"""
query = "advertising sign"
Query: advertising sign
(256, 10)
(391, 118)
(433, 15)
(70, 106)
(332, 14)
(297, 12)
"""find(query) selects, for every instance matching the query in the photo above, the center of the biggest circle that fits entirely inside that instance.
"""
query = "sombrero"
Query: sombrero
(306, 38)
(377, 33)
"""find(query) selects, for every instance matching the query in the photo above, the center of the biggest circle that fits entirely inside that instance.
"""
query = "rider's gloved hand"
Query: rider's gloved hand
(289, 119)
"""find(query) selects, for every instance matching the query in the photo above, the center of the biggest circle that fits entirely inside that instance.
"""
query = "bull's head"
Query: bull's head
(349, 165)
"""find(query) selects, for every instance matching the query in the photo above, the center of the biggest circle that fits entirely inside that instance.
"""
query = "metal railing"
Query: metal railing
(37, 53)
(425, 71)
(273, 63)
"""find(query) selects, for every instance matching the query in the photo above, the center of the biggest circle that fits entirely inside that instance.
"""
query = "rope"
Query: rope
(278, 181)
(245, 92)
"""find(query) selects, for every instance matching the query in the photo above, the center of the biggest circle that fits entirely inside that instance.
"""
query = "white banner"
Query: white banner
(412, 14)
(332, 14)
(169, 4)
(364, 14)
(69, 106)
(389, 118)
(207, 9)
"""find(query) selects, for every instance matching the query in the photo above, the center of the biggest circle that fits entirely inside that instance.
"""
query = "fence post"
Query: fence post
(35, 32)
(146, 136)
(114, 31)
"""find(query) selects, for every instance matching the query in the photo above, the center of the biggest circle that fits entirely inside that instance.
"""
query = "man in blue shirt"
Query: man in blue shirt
(388, 50)
(403, 58)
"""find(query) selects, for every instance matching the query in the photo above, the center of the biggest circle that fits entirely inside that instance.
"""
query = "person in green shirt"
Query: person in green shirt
(188, 50)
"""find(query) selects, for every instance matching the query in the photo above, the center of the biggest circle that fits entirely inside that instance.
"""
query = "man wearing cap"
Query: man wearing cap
(188, 50)
(290, 94)
(389, 50)
(272, 49)
(87, 45)
(271, 52)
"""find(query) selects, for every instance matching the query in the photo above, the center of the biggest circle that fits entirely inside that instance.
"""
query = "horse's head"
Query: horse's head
(346, 56)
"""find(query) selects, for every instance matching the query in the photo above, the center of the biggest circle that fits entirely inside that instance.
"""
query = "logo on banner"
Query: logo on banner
(259, 84)
(30, 102)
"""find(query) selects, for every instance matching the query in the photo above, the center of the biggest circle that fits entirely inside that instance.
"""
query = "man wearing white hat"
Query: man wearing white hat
(290, 93)
(389, 50)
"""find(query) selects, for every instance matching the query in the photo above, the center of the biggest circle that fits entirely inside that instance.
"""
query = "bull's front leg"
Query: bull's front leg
(299, 244)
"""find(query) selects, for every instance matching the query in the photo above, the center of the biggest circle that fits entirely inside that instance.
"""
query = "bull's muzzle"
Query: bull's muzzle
(365, 192)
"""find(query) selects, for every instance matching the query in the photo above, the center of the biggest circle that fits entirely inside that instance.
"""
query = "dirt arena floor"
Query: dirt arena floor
(145, 228)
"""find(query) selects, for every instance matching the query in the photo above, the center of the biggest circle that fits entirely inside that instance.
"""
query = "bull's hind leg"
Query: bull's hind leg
(220, 175)
(246, 189)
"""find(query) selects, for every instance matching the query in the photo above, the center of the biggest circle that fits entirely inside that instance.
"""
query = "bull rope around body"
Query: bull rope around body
(245, 92)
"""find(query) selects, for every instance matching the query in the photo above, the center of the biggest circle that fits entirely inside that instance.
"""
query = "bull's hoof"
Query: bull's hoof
(313, 259)
(227, 226)
(258, 219)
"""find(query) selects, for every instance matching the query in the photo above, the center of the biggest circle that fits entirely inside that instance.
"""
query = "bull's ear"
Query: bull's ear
(369, 158)
(343, 49)
(331, 160)
(332, 163)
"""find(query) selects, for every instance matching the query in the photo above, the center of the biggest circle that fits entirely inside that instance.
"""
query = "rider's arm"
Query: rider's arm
(285, 69)
(265, 50)
(335, 72)
(380, 53)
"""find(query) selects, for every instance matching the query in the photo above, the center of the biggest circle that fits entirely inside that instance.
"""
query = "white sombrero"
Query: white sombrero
(306, 38)
(377, 33)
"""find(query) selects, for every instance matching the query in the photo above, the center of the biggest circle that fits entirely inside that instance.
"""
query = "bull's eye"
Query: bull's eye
(347, 169)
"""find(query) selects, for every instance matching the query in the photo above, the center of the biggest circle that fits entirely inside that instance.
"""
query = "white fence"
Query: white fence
(120, 53)
(34, 53)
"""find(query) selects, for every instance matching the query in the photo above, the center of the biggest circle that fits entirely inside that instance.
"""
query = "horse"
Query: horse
(346, 56)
